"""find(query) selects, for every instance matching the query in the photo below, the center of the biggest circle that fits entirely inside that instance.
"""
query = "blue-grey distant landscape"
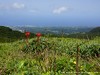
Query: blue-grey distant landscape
(50, 13)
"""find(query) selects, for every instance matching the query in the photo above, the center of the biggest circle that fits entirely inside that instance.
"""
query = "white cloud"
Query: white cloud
(12, 6)
(18, 6)
(60, 10)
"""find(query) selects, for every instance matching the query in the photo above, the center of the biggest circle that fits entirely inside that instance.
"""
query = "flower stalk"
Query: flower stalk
(27, 34)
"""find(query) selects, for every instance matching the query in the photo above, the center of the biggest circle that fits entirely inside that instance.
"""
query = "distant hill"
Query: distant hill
(9, 35)
(95, 30)
(7, 32)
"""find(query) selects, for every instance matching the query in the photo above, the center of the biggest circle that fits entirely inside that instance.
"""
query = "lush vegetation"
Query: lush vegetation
(53, 54)
(50, 56)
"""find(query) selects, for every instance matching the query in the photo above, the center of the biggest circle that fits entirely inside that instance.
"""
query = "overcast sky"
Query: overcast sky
(50, 12)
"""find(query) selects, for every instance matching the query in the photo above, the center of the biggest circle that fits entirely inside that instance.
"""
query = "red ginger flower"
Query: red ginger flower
(38, 34)
(27, 34)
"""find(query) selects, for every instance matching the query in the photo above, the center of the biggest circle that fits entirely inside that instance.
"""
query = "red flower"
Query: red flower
(38, 34)
(27, 34)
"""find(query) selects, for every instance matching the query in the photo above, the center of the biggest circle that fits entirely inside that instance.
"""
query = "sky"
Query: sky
(50, 12)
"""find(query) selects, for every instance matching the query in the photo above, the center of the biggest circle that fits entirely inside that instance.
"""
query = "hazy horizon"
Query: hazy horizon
(50, 13)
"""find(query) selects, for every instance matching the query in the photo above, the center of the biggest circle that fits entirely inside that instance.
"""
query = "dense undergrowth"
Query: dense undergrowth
(50, 56)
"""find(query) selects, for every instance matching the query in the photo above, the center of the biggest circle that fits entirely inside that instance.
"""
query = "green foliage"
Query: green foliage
(91, 50)
(37, 46)
(50, 56)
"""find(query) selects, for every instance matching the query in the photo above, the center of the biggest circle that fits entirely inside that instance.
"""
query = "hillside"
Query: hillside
(95, 30)
(9, 35)
(7, 32)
